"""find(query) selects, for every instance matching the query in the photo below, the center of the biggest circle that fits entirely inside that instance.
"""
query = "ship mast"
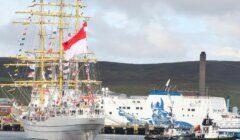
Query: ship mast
(42, 58)
(60, 45)
(76, 30)
(77, 15)
(42, 54)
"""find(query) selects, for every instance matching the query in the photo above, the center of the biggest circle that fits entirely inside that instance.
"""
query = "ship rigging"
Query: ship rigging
(64, 85)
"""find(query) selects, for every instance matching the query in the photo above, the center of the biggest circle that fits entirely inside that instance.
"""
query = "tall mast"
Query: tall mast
(60, 45)
(42, 60)
(77, 15)
(76, 30)
(42, 54)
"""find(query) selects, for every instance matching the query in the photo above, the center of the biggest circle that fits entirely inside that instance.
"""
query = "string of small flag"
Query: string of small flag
(23, 38)
(52, 40)
(89, 87)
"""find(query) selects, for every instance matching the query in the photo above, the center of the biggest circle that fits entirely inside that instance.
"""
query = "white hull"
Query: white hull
(189, 111)
(62, 128)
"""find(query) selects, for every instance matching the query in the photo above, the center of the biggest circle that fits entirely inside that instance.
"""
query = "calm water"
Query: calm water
(20, 136)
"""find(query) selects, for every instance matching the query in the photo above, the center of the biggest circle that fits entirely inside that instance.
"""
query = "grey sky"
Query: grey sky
(147, 31)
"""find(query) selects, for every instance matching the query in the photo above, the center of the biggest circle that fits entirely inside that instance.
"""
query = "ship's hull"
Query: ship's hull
(62, 128)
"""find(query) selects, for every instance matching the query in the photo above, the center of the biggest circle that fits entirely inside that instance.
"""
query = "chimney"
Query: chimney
(202, 74)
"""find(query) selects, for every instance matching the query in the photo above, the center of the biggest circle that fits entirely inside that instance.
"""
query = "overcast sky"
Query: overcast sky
(146, 31)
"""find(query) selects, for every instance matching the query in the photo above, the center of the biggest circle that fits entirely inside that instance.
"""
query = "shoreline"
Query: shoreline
(19, 135)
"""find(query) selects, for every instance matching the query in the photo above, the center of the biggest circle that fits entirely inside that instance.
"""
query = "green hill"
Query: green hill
(223, 77)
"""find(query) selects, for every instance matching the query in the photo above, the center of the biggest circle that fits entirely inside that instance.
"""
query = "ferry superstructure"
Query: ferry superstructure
(160, 108)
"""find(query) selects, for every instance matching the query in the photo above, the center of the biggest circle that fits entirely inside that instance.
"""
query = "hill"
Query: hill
(222, 77)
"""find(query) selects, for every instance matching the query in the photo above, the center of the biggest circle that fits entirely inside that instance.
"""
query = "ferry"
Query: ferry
(162, 107)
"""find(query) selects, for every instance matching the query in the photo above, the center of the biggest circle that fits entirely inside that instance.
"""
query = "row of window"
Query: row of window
(188, 115)
(4, 109)
(110, 113)
(136, 101)
(137, 108)
(218, 110)
(189, 109)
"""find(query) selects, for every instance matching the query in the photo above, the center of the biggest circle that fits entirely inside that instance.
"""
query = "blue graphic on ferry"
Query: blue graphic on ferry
(159, 117)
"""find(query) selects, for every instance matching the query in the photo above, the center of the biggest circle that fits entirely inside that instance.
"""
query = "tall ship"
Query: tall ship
(59, 72)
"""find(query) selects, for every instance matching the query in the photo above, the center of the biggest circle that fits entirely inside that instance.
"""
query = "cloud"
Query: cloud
(204, 7)
(227, 52)
(116, 19)
(153, 31)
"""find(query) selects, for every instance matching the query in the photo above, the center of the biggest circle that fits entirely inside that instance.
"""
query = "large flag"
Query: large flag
(77, 44)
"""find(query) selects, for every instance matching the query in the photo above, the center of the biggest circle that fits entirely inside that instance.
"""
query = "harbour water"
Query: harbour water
(20, 136)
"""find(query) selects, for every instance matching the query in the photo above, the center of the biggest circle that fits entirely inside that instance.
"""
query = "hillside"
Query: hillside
(223, 77)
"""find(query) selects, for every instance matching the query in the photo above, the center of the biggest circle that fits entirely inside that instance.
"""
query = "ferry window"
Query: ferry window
(137, 107)
(128, 107)
(188, 109)
(124, 107)
(141, 108)
(101, 106)
(193, 109)
(183, 115)
(120, 107)
(138, 101)
(182, 108)
(133, 101)
(110, 113)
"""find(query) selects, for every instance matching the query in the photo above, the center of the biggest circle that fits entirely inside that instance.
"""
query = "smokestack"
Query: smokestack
(202, 74)
(228, 104)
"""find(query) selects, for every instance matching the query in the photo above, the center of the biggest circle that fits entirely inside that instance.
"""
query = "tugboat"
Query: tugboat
(171, 133)
(209, 130)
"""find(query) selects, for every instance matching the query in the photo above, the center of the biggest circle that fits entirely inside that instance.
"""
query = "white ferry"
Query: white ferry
(162, 107)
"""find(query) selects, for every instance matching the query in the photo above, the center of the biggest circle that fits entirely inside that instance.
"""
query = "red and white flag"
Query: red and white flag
(77, 44)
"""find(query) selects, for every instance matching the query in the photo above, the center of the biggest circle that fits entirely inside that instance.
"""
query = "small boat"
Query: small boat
(211, 131)
(172, 133)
